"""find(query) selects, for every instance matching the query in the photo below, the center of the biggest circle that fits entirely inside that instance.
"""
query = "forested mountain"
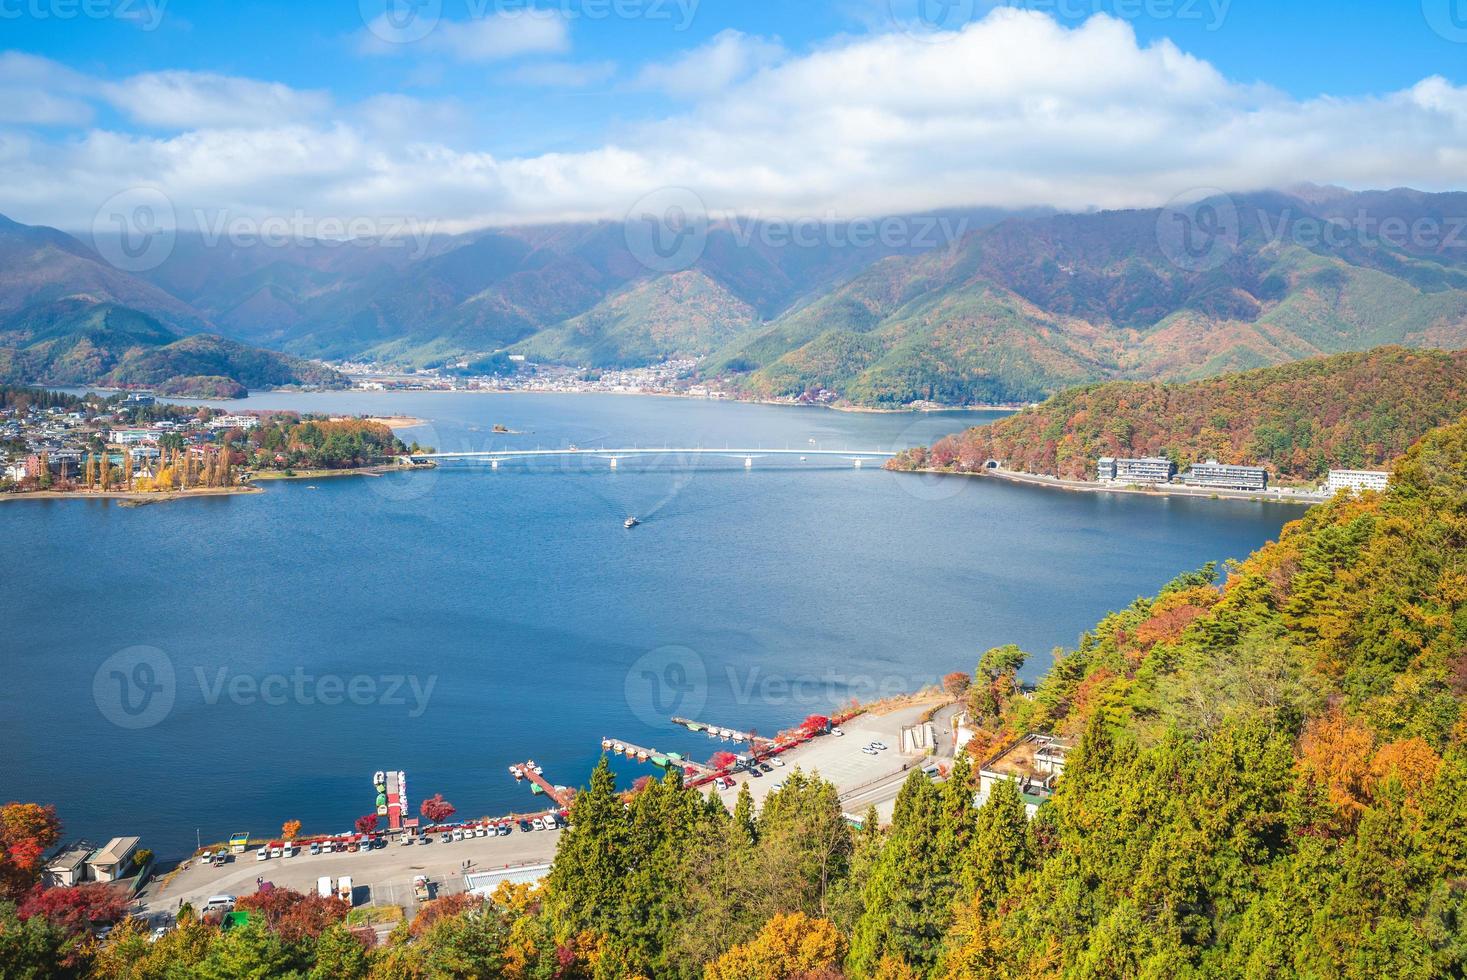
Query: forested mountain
(78, 341)
(1299, 420)
(1020, 310)
(1269, 779)
(68, 317)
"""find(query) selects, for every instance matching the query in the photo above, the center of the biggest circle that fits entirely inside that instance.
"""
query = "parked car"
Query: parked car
(158, 934)
(315, 847)
(276, 850)
(505, 829)
(207, 858)
(880, 746)
(525, 826)
(482, 830)
(408, 839)
(446, 838)
(868, 750)
(425, 839)
(263, 854)
(836, 731)
(538, 823)
(765, 767)
(458, 835)
(777, 761)
(779, 785)
(753, 771)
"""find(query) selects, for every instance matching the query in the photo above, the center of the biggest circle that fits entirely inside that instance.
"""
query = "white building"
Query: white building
(1357, 480)
(1148, 469)
(114, 860)
(245, 422)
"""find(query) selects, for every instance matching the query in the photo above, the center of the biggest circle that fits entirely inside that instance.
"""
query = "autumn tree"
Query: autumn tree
(436, 809)
(956, 684)
(27, 832)
(789, 946)
(290, 829)
(367, 824)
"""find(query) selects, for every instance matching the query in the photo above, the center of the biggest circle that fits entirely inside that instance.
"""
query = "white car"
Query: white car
(777, 761)
(868, 750)
(538, 823)
(779, 785)
(879, 746)
(458, 835)
(158, 934)
(837, 732)
(263, 854)
(483, 831)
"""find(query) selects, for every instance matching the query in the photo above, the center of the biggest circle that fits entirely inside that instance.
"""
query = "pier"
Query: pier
(661, 760)
(758, 743)
(528, 770)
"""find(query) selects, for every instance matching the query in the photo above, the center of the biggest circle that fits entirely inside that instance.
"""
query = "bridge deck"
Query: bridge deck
(638, 451)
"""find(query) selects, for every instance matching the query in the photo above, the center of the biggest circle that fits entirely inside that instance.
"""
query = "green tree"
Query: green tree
(902, 915)
(584, 886)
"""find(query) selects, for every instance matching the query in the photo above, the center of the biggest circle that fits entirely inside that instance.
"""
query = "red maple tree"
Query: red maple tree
(437, 809)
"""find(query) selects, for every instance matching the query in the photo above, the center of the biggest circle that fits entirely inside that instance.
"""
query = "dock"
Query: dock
(661, 760)
(758, 742)
(539, 784)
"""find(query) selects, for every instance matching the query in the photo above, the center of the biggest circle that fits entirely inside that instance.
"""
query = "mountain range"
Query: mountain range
(1006, 307)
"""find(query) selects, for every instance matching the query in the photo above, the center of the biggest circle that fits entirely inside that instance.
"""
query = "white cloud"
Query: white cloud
(729, 57)
(564, 74)
(190, 100)
(495, 37)
(1013, 110)
(40, 92)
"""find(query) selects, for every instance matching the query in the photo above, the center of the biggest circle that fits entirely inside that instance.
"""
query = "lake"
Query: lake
(227, 664)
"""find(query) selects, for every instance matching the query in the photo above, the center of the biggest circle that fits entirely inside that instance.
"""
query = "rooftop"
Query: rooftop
(116, 851)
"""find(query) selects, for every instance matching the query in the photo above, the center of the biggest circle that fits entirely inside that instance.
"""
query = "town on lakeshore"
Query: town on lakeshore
(135, 448)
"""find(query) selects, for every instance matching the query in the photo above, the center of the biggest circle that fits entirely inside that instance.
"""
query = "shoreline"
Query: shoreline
(1160, 490)
(379, 470)
(136, 497)
(774, 402)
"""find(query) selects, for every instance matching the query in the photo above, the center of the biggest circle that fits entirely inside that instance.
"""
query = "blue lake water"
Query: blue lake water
(224, 665)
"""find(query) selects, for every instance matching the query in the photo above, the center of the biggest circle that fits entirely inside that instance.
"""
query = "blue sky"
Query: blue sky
(574, 110)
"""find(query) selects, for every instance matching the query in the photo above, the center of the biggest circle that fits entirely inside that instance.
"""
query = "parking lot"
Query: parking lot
(383, 876)
(863, 780)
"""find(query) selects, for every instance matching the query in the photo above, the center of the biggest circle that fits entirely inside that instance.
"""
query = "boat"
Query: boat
(630, 523)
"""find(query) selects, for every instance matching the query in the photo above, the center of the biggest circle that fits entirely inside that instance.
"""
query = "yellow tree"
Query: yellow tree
(787, 946)
(126, 468)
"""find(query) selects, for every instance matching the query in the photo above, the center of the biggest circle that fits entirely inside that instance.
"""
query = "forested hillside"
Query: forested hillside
(1269, 780)
(1299, 420)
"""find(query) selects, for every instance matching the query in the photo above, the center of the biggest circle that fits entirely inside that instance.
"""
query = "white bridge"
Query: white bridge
(496, 456)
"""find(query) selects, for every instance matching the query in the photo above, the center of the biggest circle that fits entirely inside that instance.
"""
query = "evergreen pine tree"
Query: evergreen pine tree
(583, 889)
(899, 918)
(1001, 847)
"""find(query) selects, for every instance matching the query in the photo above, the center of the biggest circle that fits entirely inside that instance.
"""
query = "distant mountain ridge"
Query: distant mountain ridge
(1013, 307)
